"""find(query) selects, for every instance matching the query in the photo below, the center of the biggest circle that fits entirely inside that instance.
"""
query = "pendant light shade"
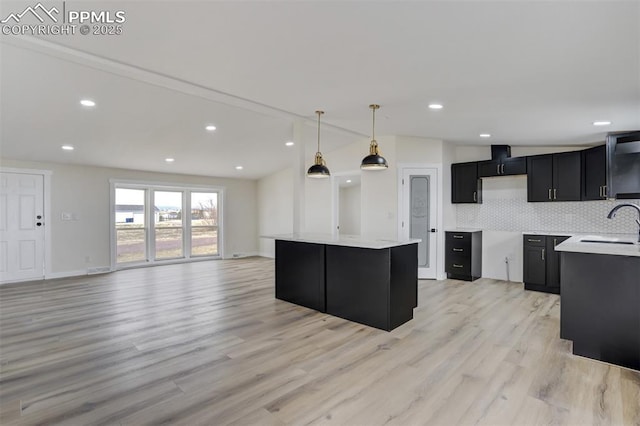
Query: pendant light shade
(319, 168)
(374, 161)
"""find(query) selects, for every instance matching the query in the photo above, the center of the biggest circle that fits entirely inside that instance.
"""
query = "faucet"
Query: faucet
(613, 212)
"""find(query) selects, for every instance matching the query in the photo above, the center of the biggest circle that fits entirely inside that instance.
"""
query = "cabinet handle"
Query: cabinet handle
(554, 194)
(458, 236)
(600, 192)
(475, 196)
(549, 193)
(502, 169)
(555, 242)
(531, 240)
(604, 191)
(498, 168)
(542, 254)
(455, 265)
(458, 249)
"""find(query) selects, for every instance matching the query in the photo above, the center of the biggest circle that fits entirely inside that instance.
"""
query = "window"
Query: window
(153, 223)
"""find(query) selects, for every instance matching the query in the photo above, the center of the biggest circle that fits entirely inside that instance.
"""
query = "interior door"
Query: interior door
(21, 227)
(419, 216)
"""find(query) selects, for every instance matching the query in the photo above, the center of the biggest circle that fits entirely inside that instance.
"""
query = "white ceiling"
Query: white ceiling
(529, 73)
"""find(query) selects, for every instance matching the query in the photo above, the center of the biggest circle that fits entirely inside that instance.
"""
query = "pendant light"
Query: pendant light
(374, 161)
(319, 168)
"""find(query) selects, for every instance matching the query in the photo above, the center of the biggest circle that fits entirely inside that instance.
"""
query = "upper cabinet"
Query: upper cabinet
(623, 164)
(465, 185)
(503, 167)
(594, 173)
(554, 177)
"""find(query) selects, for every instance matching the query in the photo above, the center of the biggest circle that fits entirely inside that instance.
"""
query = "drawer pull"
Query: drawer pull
(458, 236)
(455, 265)
(533, 241)
(458, 249)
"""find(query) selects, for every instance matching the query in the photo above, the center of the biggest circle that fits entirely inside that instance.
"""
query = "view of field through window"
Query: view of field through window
(168, 225)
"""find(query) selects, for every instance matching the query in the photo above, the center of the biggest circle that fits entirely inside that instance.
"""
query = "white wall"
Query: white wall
(85, 191)
(275, 208)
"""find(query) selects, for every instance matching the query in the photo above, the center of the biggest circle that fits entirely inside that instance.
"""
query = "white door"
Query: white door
(418, 220)
(21, 226)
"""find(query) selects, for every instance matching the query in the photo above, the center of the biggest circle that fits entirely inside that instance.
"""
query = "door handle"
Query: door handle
(38, 223)
(39, 216)
(433, 230)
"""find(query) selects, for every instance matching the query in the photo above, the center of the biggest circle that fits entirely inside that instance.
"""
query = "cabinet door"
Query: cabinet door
(465, 186)
(594, 173)
(514, 166)
(567, 176)
(489, 168)
(539, 177)
(553, 261)
(534, 264)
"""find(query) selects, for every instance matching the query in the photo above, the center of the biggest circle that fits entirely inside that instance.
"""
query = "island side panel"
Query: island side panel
(600, 306)
(300, 274)
(404, 284)
(358, 284)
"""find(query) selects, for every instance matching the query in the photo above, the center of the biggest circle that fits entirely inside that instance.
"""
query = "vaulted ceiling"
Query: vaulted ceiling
(528, 73)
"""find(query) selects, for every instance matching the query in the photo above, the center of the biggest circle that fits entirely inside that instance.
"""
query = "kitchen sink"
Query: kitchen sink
(606, 241)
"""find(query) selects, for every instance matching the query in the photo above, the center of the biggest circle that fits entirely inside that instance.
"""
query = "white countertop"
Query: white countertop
(576, 244)
(552, 233)
(463, 230)
(342, 240)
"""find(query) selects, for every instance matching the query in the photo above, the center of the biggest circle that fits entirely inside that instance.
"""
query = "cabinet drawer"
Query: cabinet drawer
(535, 240)
(458, 265)
(459, 250)
(458, 239)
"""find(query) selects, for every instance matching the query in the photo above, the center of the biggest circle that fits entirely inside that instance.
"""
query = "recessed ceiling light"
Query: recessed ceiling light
(169, 160)
(435, 106)
(87, 103)
(239, 167)
(485, 135)
(210, 127)
(601, 123)
(348, 180)
(68, 147)
(290, 143)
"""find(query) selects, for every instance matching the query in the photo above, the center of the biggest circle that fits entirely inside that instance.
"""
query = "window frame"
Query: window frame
(149, 187)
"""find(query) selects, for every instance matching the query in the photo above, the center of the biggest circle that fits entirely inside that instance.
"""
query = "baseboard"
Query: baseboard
(243, 254)
(65, 274)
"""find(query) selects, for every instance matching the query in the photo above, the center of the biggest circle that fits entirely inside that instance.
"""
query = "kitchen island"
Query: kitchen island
(372, 282)
(600, 300)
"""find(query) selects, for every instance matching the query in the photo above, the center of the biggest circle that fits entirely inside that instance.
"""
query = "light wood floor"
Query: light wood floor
(207, 343)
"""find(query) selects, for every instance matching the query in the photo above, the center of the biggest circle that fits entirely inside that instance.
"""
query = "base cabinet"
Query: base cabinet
(463, 257)
(541, 262)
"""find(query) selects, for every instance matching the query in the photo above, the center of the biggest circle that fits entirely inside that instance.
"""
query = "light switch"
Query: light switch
(66, 216)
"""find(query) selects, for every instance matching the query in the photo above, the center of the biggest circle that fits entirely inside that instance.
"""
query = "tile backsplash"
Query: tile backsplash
(505, 208)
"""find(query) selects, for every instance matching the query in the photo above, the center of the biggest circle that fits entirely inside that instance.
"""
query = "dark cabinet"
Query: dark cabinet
(623, 164)
(504, 167)
(463, 257)
(465, 185)
(554, 177)
(541, 263)
(594, 173)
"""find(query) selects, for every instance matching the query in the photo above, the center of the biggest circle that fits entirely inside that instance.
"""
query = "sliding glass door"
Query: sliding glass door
(158, 224)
